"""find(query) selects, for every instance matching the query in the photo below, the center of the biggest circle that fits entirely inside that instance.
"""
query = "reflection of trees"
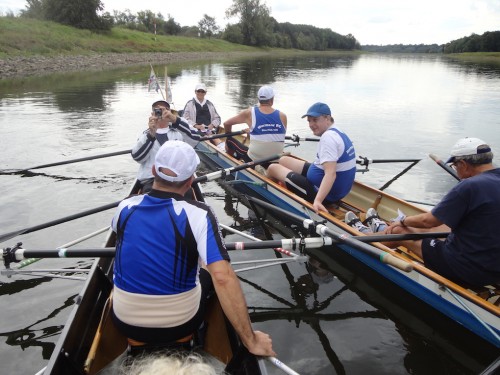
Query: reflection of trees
(251, 74)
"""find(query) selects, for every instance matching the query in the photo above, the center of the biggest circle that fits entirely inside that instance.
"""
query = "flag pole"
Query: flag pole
(157, 85)
(168, 90)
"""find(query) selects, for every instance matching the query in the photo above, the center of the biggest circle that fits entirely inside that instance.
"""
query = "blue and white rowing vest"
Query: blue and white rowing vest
(267, 127)
(346, 165)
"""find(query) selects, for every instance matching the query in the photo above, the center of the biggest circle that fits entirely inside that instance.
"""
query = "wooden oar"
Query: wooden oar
(207, 177)
(446, 167)
(323, 230)
(16, 171)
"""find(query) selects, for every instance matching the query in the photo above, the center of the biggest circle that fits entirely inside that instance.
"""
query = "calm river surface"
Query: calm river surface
(391, 106)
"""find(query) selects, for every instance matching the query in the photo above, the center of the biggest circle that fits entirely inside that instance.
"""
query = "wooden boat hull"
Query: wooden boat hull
(461, 305)
(89, 341)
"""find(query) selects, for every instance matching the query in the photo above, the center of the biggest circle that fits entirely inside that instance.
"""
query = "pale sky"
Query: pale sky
(370, 21)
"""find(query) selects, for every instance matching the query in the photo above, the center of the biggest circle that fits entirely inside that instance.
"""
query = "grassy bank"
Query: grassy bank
(477, 57)
(28, 37)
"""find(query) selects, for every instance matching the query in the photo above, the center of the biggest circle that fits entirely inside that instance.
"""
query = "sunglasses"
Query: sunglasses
(201, 91)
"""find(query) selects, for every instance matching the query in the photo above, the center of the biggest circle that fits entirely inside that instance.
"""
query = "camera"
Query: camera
(158, 112)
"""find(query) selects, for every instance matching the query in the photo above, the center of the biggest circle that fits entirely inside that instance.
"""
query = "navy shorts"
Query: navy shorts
(300, 185)
(435, 258)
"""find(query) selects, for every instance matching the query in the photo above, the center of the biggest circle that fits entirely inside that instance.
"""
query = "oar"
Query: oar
(323, 230)
(207, 177)
(222, 135)
(8, 236)
(447, 168)
(297, 138)
(14, 171)
(224, 172)
(364, 161)
(16, 254)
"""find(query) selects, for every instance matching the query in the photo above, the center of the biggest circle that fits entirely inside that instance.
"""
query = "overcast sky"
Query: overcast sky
(370, 21)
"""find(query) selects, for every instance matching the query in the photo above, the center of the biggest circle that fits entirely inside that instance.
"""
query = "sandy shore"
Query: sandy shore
(17, 67)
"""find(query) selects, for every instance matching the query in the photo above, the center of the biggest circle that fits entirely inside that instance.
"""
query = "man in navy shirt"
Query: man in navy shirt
(164, 243)
(471, 252)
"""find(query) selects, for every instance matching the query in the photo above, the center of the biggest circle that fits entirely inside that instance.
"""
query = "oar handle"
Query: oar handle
(396, 262)
(444, 166)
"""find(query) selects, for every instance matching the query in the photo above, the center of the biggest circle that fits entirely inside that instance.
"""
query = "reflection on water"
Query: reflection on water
(324, 319)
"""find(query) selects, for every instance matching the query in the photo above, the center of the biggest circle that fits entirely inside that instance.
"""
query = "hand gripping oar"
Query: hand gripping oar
(444, 166)
(207, 177)
(323, 230)
(15, 171)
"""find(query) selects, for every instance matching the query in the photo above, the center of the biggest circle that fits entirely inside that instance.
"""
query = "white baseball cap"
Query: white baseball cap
(200, 86)
(178, 157)
(265, 93)
(468, 147)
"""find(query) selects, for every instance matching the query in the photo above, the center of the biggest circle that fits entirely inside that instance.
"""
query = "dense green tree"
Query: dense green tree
(254, 19)
(207, 26)
(82, 14)
(233, 34)
(77, 13)
(170, 27)
(488, 42)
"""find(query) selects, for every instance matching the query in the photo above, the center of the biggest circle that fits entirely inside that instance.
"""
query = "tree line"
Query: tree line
(488, 42)
(255, 26)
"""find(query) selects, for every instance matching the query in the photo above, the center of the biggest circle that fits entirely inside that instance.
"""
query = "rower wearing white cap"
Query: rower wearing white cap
(471, 252)
(160, 289)
(267, 128)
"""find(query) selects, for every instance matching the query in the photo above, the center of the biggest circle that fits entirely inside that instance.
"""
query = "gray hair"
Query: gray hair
(480, 158)
(192, 364)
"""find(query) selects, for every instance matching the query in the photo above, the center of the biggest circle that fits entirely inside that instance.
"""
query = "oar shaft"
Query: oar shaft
(217, 174)
(296, 138)
(18, 254)
(80, 159)
(444, 166)
(366, 161)
(34, 228)
(383, 256)
(223, 135)
(321, 229)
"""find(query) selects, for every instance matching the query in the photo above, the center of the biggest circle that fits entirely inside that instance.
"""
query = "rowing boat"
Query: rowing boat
(476, 312)
(91, 344)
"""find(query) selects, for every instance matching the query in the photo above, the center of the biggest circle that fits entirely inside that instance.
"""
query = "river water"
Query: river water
(392, 106)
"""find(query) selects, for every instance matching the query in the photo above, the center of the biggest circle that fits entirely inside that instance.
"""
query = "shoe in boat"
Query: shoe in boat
(374, 221)
(352, 220)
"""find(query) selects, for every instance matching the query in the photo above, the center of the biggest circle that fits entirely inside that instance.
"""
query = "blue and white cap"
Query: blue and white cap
(318, 109)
